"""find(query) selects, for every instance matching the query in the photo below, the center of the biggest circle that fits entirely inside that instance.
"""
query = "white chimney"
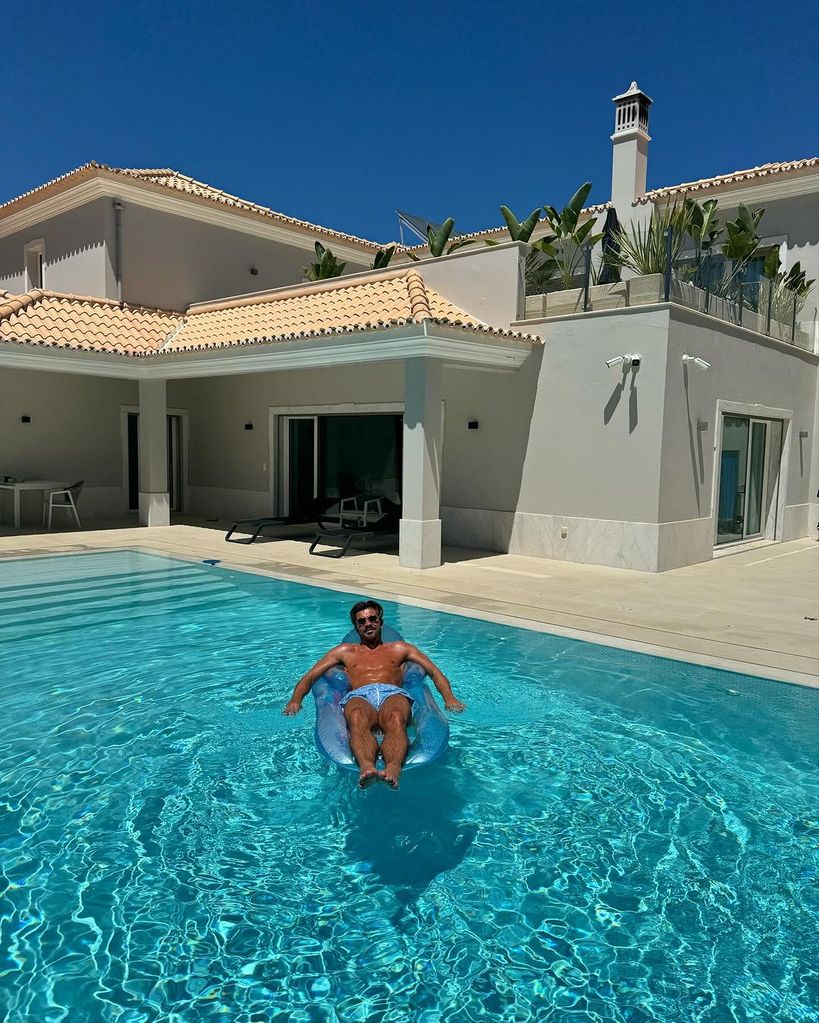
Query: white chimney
(630, 151)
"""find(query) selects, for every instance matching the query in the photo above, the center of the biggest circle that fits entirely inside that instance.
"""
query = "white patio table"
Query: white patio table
(21, 485)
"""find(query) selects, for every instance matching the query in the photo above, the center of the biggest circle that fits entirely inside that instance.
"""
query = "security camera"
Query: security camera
(626, 361)
(693, 360)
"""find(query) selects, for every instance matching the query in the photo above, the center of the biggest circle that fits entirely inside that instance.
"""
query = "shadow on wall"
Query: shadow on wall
(492, 427)
(628, 379)
(695, 446)
(88, 268)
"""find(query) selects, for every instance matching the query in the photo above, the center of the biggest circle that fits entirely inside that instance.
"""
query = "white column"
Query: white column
(154, 502)
(420, 536)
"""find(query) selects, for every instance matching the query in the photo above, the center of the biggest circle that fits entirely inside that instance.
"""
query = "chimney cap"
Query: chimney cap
(632, 91)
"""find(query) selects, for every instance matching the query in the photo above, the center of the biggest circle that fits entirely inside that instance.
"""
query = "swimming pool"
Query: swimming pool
(611, 837)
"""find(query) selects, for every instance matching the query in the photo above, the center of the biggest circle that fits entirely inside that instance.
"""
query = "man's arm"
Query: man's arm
(451, 702)
(305, 683)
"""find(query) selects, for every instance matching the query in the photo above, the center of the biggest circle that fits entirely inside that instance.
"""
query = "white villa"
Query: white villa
(157, 342)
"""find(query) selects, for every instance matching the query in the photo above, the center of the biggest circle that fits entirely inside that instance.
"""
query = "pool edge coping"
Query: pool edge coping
(750, 668)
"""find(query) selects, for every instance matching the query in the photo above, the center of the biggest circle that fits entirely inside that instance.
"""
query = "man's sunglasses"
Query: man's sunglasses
(366, 621)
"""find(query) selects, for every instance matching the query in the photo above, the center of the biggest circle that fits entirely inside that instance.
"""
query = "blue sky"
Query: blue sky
(341, 112)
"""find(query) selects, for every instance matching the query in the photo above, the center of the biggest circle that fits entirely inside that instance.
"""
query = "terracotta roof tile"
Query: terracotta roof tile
(342, 306)
(328, 307)
(55, 320)
(173, 180)
(766, 170)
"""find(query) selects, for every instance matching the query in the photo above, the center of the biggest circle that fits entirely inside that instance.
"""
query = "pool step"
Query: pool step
(41, 605)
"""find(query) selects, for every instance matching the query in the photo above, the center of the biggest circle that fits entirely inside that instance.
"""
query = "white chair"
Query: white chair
(361, 509)
(67, 499)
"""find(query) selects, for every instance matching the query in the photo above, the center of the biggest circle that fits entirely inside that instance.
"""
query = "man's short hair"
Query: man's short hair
(366, 605)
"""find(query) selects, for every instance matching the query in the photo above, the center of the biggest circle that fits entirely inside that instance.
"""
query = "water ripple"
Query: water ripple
(612, 838)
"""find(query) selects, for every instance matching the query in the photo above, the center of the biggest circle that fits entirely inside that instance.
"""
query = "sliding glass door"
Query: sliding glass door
(338, 456)
(300, 464)
(748, 478)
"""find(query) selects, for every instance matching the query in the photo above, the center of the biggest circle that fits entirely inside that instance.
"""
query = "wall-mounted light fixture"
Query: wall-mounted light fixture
(803, 433)
(693, 360)
(254, 271)
(25, 419)
(248, 426)
(626, 361)
(472, 424)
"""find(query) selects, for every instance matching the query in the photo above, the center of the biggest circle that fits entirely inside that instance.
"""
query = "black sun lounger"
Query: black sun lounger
(257, 526)
(320, 505)
(343, 536)
(328, 537)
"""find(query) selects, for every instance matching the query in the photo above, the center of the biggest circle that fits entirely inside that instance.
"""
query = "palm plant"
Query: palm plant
(538, 273)
(325, 267)
(437, 240)
(786, 292)
(703, 228)
(740, 247)
(644, 247)
(382, 258)
(564, 246)
(520, 232)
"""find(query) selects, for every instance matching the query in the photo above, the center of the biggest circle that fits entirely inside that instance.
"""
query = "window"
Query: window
(33, 263)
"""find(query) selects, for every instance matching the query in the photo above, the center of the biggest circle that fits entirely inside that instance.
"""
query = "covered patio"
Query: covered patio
(223, 411)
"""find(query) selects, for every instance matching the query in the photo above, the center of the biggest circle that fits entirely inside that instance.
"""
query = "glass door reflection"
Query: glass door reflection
(748, 478)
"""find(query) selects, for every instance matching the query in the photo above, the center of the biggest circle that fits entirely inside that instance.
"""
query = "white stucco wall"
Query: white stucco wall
(615, 469)
(74, 434)
(171, 261)
(746, 368)
(76, 254)
(594, 444)
(230, 467)
(483, 280)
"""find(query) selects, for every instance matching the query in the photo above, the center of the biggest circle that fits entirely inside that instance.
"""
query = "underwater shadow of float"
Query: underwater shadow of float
(407, 838)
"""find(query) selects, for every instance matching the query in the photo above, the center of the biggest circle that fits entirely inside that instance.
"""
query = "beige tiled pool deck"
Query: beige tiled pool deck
(754, 611)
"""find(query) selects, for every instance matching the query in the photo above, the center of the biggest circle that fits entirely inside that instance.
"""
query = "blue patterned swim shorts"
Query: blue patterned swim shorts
(376, 694)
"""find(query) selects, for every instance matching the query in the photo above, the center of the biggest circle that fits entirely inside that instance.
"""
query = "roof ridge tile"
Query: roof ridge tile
(702, 184)
(304, 290)
(418, 298)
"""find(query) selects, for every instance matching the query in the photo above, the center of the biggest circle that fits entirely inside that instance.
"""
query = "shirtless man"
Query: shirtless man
(375, 701)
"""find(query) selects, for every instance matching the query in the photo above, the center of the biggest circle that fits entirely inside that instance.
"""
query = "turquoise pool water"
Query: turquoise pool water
(611, 837)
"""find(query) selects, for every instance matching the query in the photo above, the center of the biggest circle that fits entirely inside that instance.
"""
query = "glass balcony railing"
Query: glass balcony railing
(752, 302)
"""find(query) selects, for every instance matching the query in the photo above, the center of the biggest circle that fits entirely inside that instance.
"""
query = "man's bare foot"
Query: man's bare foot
(390, 776)
(367, 777)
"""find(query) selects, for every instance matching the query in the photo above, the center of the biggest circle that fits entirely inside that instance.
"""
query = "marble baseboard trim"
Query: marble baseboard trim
(419, 543)
(478, 528)
(640, 546)
(609, 542)
(154, 510)
(225, 503)
(686, 542)
(798, 522)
